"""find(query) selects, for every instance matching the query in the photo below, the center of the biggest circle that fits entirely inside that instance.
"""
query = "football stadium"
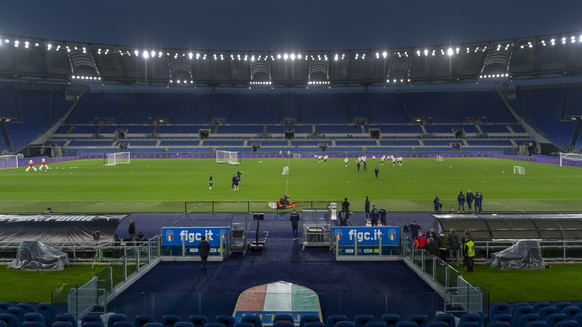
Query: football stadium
(180, 185)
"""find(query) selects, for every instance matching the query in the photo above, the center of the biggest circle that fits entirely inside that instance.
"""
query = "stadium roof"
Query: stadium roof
(60, 61)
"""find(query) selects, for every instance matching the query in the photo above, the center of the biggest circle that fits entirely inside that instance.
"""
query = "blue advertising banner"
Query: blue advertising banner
(390, 235)
(192, 235)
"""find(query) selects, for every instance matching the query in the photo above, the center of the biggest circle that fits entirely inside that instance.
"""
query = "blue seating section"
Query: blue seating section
(329, 117)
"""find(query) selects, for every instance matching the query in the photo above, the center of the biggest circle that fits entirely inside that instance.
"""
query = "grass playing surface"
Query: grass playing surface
(163, 185)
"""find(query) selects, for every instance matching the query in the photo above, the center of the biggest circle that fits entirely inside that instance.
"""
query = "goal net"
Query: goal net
(230, 157)
(567, 157)
(9, 162)
(118, 158)
(519, 170)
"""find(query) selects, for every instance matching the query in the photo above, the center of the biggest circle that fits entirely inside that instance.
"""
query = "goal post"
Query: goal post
(519, 170)
(230, 157)
(117, 158)
(567, 156)
(9, 162)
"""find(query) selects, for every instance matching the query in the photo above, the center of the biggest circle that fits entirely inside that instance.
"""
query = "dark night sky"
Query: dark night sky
(287, 25)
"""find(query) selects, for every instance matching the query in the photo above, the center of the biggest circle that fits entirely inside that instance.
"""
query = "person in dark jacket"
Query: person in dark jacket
(469, 197)
(437, 204)
(461, 201)
(454, 247)
(374, 216)
(203, 251)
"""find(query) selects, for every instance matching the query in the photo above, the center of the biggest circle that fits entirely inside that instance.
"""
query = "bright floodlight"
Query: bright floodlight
(450, 52)
(292, 56)
(136, 52)
(385, 54)
(146, 54)
(285, 56)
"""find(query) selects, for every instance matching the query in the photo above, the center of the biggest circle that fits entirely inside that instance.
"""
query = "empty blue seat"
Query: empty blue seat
(226, 320)
(498, 308)
(141, 319)
(308, 318)
(517, 305)
(92, 323)
(469, 324)
(46, 309)
(198, 320)
(9, 319)
(122, 323)
(538, 305)
(406, 323)
(283, 317)
(567, 323)
(26, 306)
(546, 311)
(421, 319)
(391, 319)
(243, 324)
(537, 323)
(66, 317)
(153, 324)
(447, 318)
(34, 316)
(506, 317)
(333, 319)
(115, 317)
(213, 324)
(93, 318)
(578, 319)
(345, 323)
(375, 324)
(526, 318)
(571, 311)
(33, 324)
(471, 317)
(183, 324)
(499, 323)
(555, 318)
(361, 320)
(169, 320)
(437, 324)
(283, 323)
(5, 305)
(254, 319)
(18, 312)
(519, 311)
(314, 324)
(561, 305)
(61, 324)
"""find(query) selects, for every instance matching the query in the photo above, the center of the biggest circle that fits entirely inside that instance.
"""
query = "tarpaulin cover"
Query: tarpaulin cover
(33, 255)
(59, 230)
(522, 255)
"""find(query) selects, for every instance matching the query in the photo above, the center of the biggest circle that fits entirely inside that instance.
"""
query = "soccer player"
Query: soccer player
(382, 158)
(31, 166)
(43, 165)
(399, 161)
(236, 181)
(376, 171)
(325, 159)
(393, 161)
(345, 161)
(238, 175)
(210, 181)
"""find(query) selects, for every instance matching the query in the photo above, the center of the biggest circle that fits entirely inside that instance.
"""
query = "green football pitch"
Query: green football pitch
(164, 185)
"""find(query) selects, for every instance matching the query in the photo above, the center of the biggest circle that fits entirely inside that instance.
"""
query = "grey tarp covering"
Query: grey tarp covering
(59, 230)
(522, 255)
(34, 255)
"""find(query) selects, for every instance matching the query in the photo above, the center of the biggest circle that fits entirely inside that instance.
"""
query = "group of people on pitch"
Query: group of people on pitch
(469, 198)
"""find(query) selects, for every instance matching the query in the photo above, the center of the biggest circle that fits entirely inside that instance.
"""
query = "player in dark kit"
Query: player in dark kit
(376, 171)
(210, 181)
(367, 207)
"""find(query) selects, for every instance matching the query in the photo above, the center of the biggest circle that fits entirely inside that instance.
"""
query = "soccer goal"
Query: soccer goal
(117, 158)
(519, 170)
(9, 162)
(230, 157)
(566, 156)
